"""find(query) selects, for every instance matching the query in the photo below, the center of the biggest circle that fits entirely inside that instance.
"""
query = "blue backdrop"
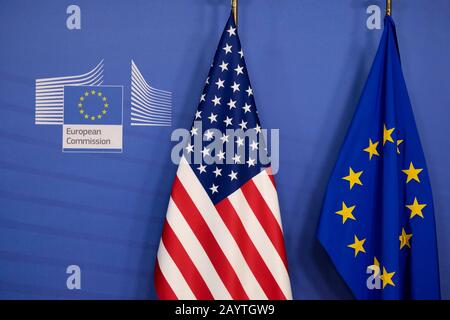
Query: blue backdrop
(308, 61)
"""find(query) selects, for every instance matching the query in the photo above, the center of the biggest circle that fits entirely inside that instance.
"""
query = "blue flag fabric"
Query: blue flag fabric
(377, 222)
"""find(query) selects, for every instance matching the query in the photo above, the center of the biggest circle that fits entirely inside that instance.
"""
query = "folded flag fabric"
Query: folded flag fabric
(377, 222)
(223, 238)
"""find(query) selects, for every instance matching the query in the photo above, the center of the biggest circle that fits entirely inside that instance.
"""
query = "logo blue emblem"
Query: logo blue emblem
(93, 119)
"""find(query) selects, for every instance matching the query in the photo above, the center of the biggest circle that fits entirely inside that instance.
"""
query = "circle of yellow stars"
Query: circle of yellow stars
(347, 211)
(81, 106)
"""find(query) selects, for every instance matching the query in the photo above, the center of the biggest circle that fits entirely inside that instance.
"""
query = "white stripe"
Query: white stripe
(47, 115)
(59, 91)
(49, 99)
(138, 113)
(49, 112)
(55, 120)
(136, 71)
(150, 109)
(100, 64)
(144, 114)
(47, 95)
(99, 73)
(172, 275)
(52, 108)
(151, 101)
(57, 86)
(196, 252)
(149, 124)
(48, 122)
(219, 230)
(261, 241)
(48, 104)
(138, 89)
(269, 193)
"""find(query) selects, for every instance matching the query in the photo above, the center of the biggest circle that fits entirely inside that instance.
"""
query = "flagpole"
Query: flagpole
(388, 7)
(234, 6)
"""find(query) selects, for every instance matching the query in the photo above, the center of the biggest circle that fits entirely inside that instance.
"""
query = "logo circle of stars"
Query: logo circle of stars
(95, 94)
(354, 178)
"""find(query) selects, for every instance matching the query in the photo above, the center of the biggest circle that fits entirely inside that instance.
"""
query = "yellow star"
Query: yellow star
(106, 105)
(86, 93)
(99, 116)
(353, 178)
(92, 118)
(404, 239)
(399, 142)
(86, 116)
(81, 111)
(346, 212)
(104, 99)
(386, 277)
(416, 208)
(104, 111)
(99, 94)
(387, 135)
(81, 98)
(412, 173)
(358, 245)
(80, 105)
(372, 149)
(93, 92)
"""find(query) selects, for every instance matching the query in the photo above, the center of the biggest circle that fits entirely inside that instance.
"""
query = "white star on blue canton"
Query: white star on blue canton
(228, 121)
(220, 83)
(214, 188)
(202, 168)
(217, 172)
(216, 100)
(227, 48)
(233, 175)
(224, 66)
(224, 138)
(208, 135)
(231, 31)
(236, 158)
(239, 70)
(221, 155)
(243, 125)
(246, 108)
(213, 117)
(232, 104)
(235, 87)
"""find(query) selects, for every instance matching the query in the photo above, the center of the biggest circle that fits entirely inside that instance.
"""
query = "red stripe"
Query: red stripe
(185, 264)
(163, 289)
(265, 217)
(249, 251)
(207, 240)
(272, 178)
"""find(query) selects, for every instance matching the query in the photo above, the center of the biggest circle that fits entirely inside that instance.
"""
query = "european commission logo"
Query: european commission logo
(92, 119)
(91, 113)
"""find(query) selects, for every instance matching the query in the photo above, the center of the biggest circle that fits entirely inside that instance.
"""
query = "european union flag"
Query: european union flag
(377, 221)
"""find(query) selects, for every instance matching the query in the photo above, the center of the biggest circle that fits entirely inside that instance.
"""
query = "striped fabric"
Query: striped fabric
(223, 237)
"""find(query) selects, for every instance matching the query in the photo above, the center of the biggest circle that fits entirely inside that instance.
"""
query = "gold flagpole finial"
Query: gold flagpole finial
(388, 7)
(234, 6)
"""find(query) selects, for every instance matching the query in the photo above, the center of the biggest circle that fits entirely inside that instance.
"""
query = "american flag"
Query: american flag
(223, 238)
